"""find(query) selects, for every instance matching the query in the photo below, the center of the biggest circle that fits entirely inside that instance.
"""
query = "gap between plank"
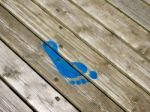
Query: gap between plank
(16, 93)
(128, 16)
(95, 50)
(37, 73)
(119, 37)
(145, 2)
(67, 62)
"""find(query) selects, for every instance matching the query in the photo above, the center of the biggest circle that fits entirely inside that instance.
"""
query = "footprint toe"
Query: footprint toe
(78, 82)
(72, 82)
(93, 74)
(84, 81)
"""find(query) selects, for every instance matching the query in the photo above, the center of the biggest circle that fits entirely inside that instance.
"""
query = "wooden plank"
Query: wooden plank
(118, 23)
(100, 40)
(28, 46)
(136, 9)
(112, 82)
(29, 85)
(9, 102)
(124, 58)
(147, 1)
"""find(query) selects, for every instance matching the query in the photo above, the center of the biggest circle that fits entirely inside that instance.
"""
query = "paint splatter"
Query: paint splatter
(64, 68)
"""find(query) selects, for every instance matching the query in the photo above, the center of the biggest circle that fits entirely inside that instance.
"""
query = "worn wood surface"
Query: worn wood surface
(85, 97)
(118, 23)
(9, 102)
(136, 9)
(29, 85)
(93, 34)
(112, 82)
(147, 1)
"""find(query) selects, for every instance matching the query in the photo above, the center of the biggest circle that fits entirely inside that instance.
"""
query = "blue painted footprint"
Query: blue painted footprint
(65, 69)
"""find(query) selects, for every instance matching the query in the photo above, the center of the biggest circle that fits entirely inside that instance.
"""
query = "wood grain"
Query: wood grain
(147, 1)
(136, 9)
(100, 40)
(118, 23)
(112, 82)
(85, 97)
(135, 67)
(9, 102)
(29, 85)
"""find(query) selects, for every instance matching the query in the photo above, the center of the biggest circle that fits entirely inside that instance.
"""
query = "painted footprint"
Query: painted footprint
(64, 68)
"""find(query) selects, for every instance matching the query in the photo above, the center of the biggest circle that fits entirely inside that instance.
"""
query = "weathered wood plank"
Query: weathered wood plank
(136, 9)
(9, 102)
(86, 97)
(112, 82)
(118, 23)
(147, 1)
(101, 40)
(92, 33)
(29, 85)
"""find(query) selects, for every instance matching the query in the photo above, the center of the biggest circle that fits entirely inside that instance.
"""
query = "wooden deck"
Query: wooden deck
(74, 55)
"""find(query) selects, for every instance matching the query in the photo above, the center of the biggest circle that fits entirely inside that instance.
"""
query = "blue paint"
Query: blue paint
(93, 74)
(80, 66)
(65, 69)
